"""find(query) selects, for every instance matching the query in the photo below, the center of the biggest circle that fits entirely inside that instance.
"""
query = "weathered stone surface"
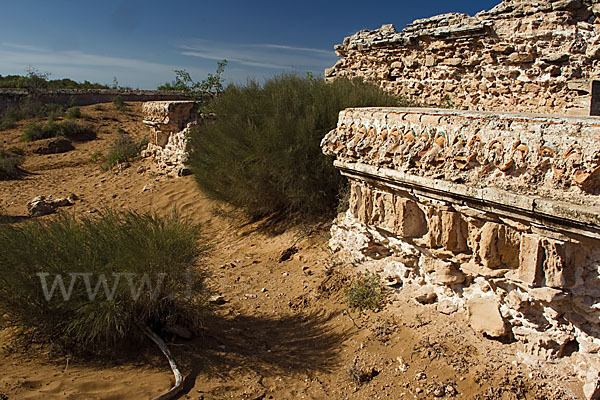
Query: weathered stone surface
(426, 295)
(498, 246)
(442, 271)
(496, 60)
(541, 156)
(447, 307)
(506, 227)
(170, 123)
(531, 260)
(43, 205)
(410, 220)
(484, 316)
(448, 230)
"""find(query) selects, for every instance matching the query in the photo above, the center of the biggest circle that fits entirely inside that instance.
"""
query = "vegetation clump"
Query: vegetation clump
(90, 284)
(37, 80)
(73, 113)
(365, 292)
(119, 104)
(68, 129)
(10, 161)
(262, 152)
(123, 149)
(29, 107)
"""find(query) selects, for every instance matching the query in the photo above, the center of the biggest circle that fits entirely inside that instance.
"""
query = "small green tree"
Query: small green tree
(212, 85)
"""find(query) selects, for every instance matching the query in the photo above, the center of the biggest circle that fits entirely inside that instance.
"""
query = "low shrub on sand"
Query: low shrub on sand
(124, 148)
(92, 283)
(69, 129)
(10, 160)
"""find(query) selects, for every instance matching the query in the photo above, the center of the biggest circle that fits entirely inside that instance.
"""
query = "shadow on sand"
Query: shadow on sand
(302, 343)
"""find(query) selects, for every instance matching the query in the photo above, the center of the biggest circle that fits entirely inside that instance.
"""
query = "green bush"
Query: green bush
(124, 148)
(73, 113)
(119, 104)
(365, 293)
(29, 107)
(70, 129)
(262, 153)
(139, 265)
(10, 160)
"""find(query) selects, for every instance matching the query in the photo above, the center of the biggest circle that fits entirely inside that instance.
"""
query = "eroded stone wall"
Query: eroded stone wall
(494, 215)
(522, 55)
(170, 123)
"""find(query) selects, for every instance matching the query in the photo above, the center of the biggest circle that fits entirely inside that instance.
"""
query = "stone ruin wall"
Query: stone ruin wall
(495, 215)
(519, 56)
(170, 123)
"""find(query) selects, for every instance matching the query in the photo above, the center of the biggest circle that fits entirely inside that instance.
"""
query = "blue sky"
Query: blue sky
(141, 42)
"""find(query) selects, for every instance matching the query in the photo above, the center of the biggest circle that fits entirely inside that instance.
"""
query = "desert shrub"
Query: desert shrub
(73, 113)
(124, 148)
(119, 104)
(98, 107)
(7, 122)
(365, 292)
(37, 131)
(29, 107)
(262, 153)
(97, 155)
(70, 129)
(10, 160)
(120, 273)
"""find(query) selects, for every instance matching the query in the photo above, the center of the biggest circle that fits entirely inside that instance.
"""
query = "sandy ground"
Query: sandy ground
(284, 332)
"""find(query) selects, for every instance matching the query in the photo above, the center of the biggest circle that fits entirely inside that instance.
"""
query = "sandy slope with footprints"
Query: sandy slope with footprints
(284, 331)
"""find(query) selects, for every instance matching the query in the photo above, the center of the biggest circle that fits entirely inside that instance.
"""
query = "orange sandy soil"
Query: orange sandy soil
(284, 332)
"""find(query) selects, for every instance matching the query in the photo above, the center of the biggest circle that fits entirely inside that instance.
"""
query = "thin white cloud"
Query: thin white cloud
(223, 56)
(271, 56)
(293, 48)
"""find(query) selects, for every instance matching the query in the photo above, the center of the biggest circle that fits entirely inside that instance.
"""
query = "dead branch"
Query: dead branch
(178, 377)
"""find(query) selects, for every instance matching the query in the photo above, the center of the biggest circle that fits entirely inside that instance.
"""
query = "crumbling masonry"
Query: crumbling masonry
(520, 56)
(170, 123)
(493, 213)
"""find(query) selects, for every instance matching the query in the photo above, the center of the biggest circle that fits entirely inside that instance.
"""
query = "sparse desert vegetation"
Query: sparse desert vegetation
(10, 160)
(123, 149)
(69, 129)
(365, 292)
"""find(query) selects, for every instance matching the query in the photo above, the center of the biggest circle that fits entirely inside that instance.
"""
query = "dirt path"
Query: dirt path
(284, 331)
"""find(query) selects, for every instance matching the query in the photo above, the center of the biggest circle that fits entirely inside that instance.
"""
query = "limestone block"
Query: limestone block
(485, 317)
(442, 271)
(499, 246)
(561, 260)
(447, 229)
(426, 295)
(531, 260)
(410, 219)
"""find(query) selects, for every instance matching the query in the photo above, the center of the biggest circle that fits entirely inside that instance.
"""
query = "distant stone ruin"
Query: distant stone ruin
(492, 213)
(522, 55)
(170, 123)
